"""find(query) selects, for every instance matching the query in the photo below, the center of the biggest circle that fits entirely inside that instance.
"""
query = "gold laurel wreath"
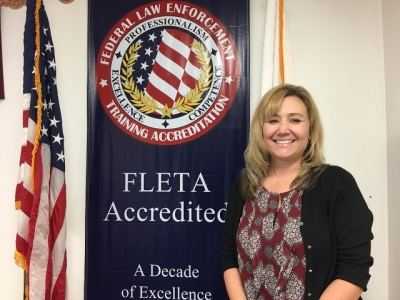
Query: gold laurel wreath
(185, 104)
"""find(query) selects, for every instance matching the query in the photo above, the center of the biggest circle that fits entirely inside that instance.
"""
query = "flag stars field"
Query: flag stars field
(57, 139)
(49, 46)
(139, 80)
(54, 121)
(152, 37)
(61, 156)
(148, 51)
(144, 66)
(50, 105)
(44, 131)
(52, 64)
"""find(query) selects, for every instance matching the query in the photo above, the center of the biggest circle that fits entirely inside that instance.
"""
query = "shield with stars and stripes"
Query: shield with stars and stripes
(167, 79)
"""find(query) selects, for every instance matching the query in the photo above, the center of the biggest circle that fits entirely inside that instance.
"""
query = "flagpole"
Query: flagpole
(25, 293)
(2, 93)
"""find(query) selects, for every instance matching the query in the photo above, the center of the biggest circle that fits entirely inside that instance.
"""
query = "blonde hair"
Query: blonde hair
(257, 158)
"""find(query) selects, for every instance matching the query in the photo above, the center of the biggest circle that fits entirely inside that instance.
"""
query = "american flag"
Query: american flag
(41, 191)
(167, 67)
(277, 65)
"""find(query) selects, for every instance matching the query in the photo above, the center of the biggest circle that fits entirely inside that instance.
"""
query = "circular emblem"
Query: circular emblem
(167, 72)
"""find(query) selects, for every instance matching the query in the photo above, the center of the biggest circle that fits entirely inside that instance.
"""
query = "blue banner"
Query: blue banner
(167, 126)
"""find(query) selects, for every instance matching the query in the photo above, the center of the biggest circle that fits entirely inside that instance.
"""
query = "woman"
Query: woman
(295, 227)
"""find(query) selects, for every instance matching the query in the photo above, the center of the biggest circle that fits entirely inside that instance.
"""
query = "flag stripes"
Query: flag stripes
(176, 69)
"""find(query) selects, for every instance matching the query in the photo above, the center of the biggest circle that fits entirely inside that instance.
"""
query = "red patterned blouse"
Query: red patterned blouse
(271, 253)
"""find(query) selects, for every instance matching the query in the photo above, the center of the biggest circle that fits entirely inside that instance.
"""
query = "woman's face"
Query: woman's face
(286, 133)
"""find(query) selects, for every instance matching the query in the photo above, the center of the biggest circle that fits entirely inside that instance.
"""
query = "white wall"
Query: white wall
(391, 33)
(338, 55)
(11, 277)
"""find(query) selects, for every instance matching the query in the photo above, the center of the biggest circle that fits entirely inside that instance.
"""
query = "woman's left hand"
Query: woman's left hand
(341, 290)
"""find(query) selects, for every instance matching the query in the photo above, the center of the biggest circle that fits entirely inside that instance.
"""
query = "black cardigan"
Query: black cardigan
(336, 229)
